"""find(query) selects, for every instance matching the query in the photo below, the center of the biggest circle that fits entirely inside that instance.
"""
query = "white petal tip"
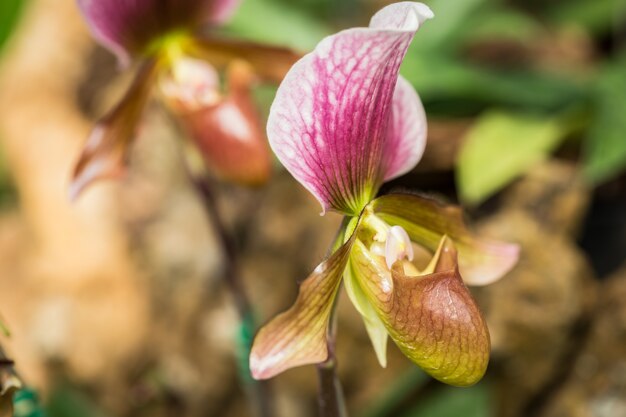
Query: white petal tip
(405, 16)
(423, 12)
(258, 369)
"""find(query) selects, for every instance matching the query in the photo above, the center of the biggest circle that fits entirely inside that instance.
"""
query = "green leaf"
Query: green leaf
(605, 146)
(499, 148)
(9, 13)
(267, 21)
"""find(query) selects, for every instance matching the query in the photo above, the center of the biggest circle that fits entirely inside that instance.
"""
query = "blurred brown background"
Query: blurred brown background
(115, 304)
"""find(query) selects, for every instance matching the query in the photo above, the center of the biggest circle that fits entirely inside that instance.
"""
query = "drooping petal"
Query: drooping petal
(481, 261)
(407, 136)
(298, 336)
(271, 63)
(106, 150)
(432, 318)
(373, 324)
(227, 130)
(329, 123)
(128, 27)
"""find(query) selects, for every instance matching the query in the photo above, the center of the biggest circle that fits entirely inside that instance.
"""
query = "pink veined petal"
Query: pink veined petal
(127, 27)
(407, 131)
(329, 123)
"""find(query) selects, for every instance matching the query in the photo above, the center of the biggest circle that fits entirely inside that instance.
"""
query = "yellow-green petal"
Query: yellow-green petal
(373, 324)
(481, 261)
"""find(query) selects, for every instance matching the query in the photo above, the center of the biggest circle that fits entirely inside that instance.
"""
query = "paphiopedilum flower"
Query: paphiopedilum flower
(342, 123)
(179, 54)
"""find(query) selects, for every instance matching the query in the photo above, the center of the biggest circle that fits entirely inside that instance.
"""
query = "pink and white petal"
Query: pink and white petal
(222, 10)
(329, 122)
(298, 336)
(407, 131)
(481, 261)
(401, 15)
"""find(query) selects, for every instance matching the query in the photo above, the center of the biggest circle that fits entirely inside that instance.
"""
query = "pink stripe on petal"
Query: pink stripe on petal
(407, 131)
(329, 123)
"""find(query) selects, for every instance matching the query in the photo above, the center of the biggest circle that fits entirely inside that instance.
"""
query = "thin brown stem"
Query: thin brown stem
(330, 392)
(258, 391)
(330, 398)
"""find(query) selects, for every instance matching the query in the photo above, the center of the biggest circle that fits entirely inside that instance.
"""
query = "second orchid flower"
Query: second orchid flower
(179, 52)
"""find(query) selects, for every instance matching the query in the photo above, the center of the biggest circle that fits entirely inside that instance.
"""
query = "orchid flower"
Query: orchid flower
(343, 122)
(179, 53)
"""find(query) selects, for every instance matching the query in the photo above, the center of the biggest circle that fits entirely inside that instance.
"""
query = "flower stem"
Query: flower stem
(330, 392)
(258, 391)
(330, 398)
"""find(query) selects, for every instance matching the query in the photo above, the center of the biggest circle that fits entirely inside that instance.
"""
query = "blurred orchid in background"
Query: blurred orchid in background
(342, 123)
(180, 53)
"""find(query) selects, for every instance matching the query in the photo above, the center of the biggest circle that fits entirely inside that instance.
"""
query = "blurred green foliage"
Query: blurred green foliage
(606, 145)
(502, 148)
(9, 13)
(268, 21)
(403, 387)
(26, 404)
(486, 162)
(68, 401)
(455, 402)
